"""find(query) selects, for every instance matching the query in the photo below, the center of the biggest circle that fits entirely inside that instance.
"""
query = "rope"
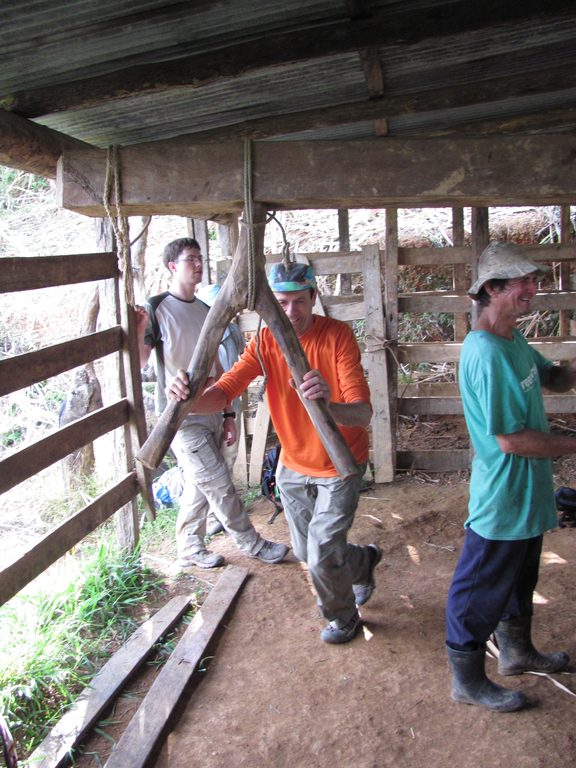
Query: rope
(119, 222)
(248, 216)
(376, 343)
(287, 260)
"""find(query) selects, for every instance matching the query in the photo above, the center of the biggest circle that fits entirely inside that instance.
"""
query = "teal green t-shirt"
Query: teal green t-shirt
(511, 497)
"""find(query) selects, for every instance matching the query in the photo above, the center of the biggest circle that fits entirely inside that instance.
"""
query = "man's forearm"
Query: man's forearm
(351, 414)
(533, 444)
(211, 400)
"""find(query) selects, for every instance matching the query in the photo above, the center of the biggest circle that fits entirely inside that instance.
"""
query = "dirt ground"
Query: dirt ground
(275, 695)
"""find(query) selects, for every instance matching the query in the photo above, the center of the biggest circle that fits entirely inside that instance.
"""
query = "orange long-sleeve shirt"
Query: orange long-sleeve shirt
(331, 348)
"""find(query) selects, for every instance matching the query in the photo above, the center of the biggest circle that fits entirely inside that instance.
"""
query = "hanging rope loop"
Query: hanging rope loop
(287, 259)
(118, 221)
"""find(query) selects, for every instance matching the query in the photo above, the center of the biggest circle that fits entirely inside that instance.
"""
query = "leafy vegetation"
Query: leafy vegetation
(54, 641)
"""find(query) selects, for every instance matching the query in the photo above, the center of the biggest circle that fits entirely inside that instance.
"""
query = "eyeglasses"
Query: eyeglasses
(191, 259)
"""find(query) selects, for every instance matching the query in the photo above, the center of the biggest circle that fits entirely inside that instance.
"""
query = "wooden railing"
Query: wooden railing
(21, 371)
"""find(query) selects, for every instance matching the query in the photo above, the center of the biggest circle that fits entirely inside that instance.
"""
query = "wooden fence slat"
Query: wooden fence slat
(150, 722)
(61, 539)
(25, 370)
(36, 457)
(33, 272)
(56, 748)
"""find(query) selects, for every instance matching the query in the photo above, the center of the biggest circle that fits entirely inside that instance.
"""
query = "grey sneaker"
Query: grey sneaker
(214, 526)
(271, 552)
(201, 559)
(338, 632)
(363, 592)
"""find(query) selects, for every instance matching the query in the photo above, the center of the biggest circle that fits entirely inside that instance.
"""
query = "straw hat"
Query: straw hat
(503, 261)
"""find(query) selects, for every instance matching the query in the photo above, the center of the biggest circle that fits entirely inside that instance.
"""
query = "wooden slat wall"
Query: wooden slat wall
(23, 274)
(456, 301)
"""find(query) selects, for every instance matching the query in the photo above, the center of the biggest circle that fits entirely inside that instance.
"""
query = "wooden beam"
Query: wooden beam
(372, 173)
(372, 71)
(76, 723)
(30, 147)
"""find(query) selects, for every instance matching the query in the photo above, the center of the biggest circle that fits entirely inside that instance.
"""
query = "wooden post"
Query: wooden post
(480, 239)
(198, 229)
(565, 268)
(377, 365)
(118, 458)
(459, 271)
(343, 281)
(391, 319)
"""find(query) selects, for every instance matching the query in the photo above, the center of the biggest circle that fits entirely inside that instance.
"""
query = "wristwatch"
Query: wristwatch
(229, 415)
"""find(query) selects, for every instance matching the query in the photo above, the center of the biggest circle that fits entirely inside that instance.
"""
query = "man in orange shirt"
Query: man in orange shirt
(319, 505)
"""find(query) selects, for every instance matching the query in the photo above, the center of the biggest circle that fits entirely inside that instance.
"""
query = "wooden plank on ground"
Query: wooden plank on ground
(151, 720)
(56, 748)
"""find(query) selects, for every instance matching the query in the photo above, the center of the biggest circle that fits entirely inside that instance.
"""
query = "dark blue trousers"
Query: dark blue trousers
(493, 581)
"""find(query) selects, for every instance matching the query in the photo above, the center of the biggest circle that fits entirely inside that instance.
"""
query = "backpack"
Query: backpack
(566, 506)
(268, 484)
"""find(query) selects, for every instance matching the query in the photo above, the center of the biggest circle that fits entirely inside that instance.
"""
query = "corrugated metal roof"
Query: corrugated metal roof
(143, 70)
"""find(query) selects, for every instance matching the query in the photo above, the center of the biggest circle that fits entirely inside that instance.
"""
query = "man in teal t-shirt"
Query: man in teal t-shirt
(511, 492)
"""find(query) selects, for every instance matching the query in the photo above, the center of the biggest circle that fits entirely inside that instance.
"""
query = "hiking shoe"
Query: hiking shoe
(214, 527)
(339, 632)
(363, 592)
(201, 559)
(271, 552)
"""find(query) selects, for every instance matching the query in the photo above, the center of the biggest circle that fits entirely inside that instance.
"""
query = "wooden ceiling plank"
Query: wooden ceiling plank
(388, 106)
(392, 25)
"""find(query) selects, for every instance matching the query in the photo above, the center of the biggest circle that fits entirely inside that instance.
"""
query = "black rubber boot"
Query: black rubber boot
(517, 654)
(471, 686)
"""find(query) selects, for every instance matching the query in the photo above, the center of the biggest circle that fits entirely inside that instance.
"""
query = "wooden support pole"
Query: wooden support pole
(198, 229)
(460, 280)
(391, 318)
(480, 239)
(565, 268)
(344, 279)
(376, 361)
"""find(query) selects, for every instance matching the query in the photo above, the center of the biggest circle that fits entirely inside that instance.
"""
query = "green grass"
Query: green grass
(53, 643)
